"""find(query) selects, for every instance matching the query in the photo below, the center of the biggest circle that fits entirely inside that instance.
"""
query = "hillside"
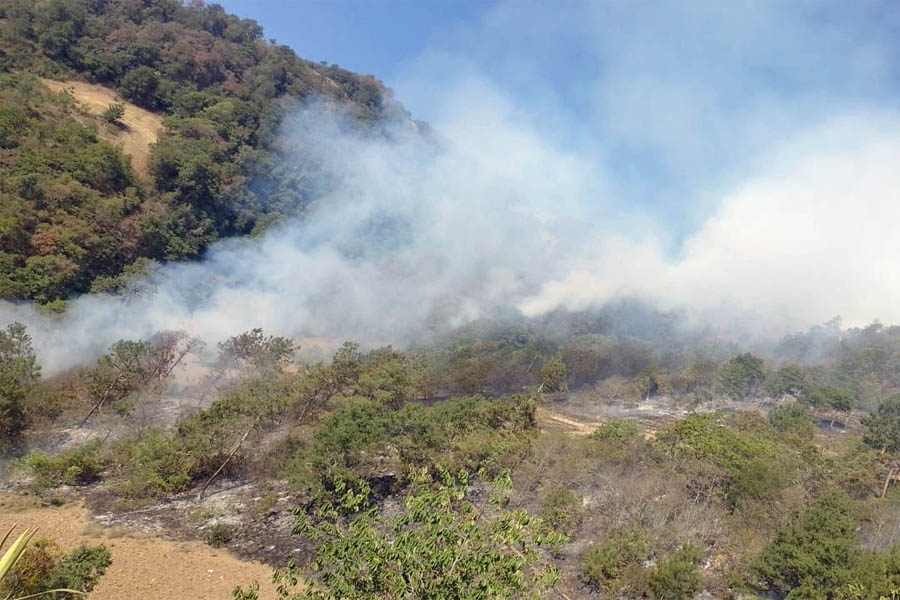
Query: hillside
(566, 459)
(83, 200)
(135, 132)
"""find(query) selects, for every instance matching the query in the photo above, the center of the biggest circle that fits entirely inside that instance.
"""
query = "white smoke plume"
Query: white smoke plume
(517, 208)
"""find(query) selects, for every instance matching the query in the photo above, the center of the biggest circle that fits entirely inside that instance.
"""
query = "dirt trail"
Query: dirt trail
(548, 418)
(140, 126)
(142, 567)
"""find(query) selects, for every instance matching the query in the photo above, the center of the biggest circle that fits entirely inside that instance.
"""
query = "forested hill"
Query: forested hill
(75, 213)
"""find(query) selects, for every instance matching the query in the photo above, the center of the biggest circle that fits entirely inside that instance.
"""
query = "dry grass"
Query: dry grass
(142, 566)
(549, 419)
(139, 128)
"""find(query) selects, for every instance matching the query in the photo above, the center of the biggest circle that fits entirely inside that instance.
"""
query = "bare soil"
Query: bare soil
(139, 127)
(142, 566)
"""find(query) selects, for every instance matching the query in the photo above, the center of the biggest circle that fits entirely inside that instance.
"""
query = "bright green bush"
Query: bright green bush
(884, 425)
(814, 553)
(78, 466)
(742, 376)
(738, 460)
(439, 546)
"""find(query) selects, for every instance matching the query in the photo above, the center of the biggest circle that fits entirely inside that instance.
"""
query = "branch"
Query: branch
(228, 458)
(887, 481)
(102, 399)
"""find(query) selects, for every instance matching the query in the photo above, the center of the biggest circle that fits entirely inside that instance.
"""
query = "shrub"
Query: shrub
(366, 440)
(563, 511)
(812, 555)
(884, 426)
(439, 546)
(79, 466)
(219, 535)
(113, 113)
(553, 375)
(617, 431)
(155, 465)
(676, 576)
(739, 460)
(603, 565)
(741, 376)
(792, 418)
(18, 374)
(44, 567)
(81, 568)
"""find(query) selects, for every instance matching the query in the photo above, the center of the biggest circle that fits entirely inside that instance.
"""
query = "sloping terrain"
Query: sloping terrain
(142, 566)
(139, 127)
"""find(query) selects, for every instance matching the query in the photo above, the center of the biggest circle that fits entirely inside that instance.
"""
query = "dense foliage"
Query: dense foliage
(762, 480)
(73, 212)
(441, 546)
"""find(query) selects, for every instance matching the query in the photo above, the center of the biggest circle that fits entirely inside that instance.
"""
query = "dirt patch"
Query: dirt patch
(550, 419)
(139, 126)
(258, 516)
(143, 566)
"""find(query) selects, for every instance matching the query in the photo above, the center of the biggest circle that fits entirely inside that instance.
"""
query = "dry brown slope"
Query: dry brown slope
(140, 126)
(142, 567)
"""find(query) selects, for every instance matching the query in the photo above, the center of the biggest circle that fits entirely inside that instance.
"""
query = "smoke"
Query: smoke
(812, 236)
(664, 189)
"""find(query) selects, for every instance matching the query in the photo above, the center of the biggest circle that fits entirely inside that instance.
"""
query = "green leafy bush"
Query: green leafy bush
(113, 113)
(884, 425)
(737, 460)
(814, 553)
(676, 576)
(78, 466)
(44, 567)
(439, 546)
(18, 375)
(365, 440)
(792, 418)
(741, 376)
(620, 431)
(553, 375)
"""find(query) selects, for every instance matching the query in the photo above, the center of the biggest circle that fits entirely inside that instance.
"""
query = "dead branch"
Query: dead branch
(228, 458)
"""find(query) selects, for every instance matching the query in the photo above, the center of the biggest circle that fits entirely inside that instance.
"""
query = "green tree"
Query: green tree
(741, 376)
(792, 418)
(18, 374)
(140, 86)
(256, 351)
(553, 375)
(789, 380)
(884, 426)
(441, 547)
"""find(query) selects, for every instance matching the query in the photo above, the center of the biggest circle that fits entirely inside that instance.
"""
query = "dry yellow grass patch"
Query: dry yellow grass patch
(142, 566)
(140, 126)
(551, 419)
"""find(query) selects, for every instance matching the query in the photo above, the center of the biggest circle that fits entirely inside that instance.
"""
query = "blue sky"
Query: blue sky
(675, 101)
(367, 36)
